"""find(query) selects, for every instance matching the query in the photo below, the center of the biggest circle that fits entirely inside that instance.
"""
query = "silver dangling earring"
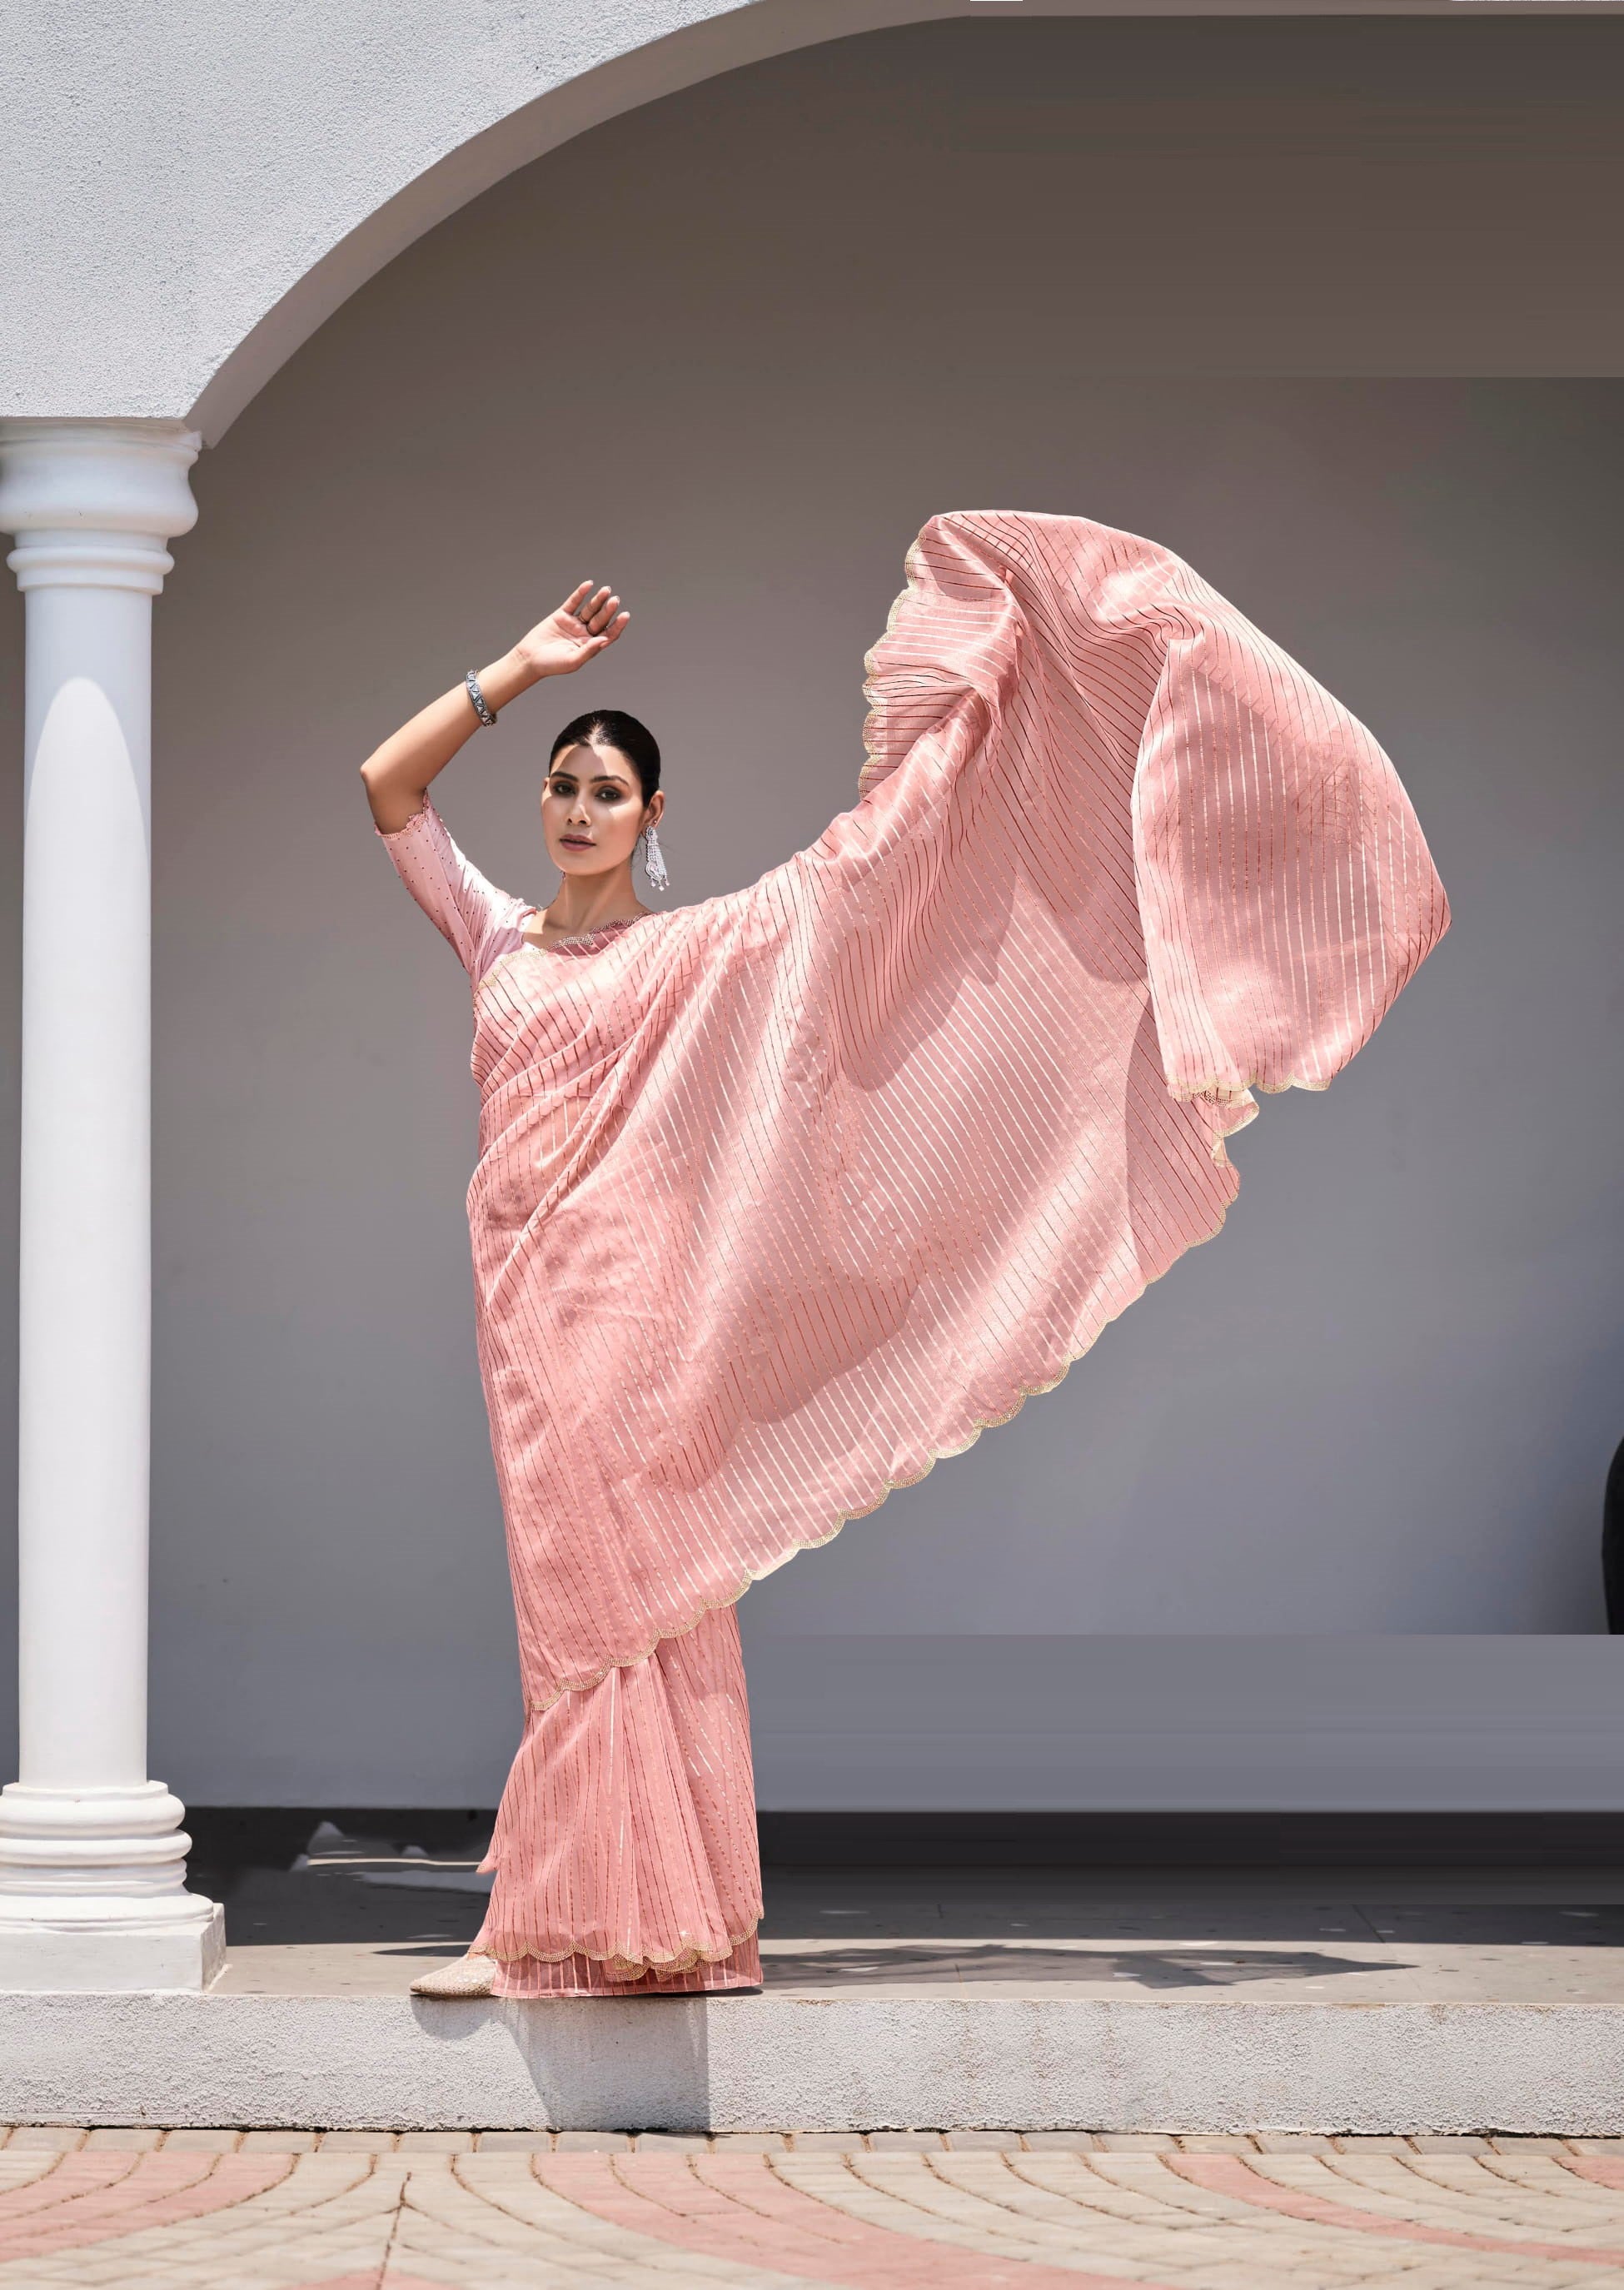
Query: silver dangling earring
(653, 860)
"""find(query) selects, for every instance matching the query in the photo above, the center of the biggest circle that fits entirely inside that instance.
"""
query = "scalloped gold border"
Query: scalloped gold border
(938, 1454)
(664, 1966)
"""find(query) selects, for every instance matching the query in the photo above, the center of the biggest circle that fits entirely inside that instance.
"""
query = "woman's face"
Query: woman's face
(592, 809)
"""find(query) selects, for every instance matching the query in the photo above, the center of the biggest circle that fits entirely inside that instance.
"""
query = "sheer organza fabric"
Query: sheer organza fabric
(783, 1196)
(625, 1854)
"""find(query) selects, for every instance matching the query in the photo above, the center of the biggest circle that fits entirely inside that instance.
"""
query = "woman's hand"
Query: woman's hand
(569, 638)
(398, 773)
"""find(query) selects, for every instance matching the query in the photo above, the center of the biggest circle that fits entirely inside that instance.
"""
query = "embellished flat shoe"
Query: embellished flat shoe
(470, 1975)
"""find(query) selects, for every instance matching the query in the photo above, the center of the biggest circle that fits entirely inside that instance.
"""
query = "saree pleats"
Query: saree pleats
(625, 1844)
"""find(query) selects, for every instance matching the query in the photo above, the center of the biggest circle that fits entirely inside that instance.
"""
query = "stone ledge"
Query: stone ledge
(846, 2063)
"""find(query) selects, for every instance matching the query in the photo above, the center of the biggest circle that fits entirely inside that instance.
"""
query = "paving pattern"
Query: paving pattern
(990, 2210)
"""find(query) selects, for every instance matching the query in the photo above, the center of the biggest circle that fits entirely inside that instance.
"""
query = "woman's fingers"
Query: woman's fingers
(597, 614)
(594, 610)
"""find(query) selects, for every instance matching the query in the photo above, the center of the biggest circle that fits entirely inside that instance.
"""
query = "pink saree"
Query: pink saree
(783, 1196)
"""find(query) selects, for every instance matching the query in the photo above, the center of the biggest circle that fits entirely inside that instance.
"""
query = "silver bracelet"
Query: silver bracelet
(478, 698)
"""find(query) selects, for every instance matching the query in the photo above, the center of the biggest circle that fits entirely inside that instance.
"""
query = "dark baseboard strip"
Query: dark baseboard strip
(271, 1835)
(1193, 1840)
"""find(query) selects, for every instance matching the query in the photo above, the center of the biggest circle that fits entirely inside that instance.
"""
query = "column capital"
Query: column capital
(92, 502)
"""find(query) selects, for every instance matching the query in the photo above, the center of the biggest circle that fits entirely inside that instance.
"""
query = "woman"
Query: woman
(783, 1196)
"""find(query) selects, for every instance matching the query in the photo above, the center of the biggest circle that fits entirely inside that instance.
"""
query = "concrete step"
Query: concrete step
(1337, 2031)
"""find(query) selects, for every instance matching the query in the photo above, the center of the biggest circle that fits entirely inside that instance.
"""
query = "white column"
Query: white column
(93, 1860)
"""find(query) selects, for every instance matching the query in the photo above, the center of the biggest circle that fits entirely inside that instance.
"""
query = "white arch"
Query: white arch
(639, 50)
(199, 205)
(201, 198)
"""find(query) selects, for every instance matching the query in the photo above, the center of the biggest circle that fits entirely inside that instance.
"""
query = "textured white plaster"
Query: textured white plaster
(839, 2063)
(178, 179)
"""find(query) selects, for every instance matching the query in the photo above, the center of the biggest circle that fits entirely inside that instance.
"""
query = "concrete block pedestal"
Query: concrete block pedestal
(810, 2061)
(67, 1944)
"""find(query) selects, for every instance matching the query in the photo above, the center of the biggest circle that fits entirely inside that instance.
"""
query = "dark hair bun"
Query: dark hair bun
(612, 727)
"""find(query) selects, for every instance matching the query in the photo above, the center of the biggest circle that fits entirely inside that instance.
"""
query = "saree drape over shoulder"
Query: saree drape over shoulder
(785, 1195)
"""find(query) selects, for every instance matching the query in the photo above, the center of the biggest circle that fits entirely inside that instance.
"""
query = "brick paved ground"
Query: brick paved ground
(297, 2210)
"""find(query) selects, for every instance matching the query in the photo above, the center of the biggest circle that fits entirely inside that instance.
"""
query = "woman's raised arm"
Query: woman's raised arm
(398, 775)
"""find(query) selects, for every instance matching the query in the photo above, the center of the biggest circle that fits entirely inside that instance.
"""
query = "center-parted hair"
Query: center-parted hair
(612, 727)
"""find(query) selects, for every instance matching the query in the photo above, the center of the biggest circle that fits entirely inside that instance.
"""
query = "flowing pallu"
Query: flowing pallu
(783, 1196)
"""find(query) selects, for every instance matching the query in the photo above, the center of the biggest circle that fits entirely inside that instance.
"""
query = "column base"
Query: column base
(92, 1892)
(107, 1945)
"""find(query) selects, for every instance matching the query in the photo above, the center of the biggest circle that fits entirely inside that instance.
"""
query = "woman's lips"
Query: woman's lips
(577, 842)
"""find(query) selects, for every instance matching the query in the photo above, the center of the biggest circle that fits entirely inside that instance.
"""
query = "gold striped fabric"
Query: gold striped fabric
(783, 1196)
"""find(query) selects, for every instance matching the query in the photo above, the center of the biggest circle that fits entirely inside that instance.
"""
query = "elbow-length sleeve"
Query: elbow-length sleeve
(477, 919)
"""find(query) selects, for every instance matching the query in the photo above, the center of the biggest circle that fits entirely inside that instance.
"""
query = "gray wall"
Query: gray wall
(729, 353)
